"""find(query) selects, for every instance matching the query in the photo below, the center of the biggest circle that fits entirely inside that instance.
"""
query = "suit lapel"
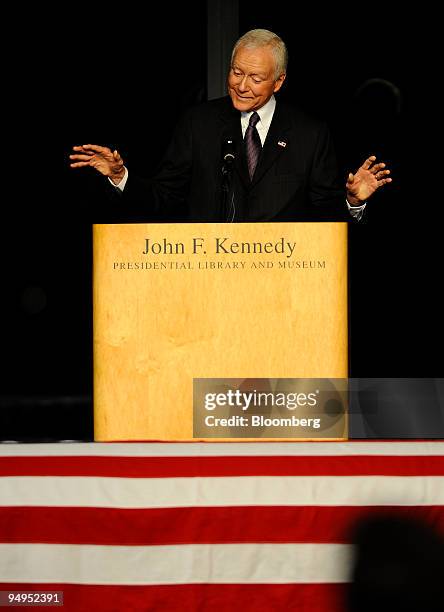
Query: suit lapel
(231, 119)
(273, 147)
(274, 144)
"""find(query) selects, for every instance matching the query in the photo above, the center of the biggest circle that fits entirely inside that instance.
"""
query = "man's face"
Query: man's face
(251, 80)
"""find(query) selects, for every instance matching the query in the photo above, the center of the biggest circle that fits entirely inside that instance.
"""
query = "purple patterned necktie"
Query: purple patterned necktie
(253, 144)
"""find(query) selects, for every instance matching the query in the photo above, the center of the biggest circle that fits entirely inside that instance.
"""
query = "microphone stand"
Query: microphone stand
(228, 203)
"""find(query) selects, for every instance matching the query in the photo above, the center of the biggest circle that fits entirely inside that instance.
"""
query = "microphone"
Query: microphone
(228, 151)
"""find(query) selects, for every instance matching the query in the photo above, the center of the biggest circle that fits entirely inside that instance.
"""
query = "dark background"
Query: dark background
(122, 79)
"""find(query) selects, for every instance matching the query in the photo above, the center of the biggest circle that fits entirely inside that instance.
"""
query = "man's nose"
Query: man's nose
(243, 85)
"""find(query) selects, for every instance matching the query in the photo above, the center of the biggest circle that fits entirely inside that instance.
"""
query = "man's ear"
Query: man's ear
(279, 82)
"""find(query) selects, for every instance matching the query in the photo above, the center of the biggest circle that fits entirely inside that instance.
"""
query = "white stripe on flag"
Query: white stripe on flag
(222, 491)
(218, 449)
(185, 564)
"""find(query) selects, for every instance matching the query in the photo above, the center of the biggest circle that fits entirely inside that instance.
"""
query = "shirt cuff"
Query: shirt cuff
(356, 211)
(121, 186)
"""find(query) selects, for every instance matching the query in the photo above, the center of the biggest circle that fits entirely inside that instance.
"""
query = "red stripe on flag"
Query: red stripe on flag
(196, 597)
(215, 525)
(170, 467)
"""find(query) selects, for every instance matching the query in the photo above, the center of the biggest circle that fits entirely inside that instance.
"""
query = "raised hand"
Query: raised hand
(368, 178)
(107, 162)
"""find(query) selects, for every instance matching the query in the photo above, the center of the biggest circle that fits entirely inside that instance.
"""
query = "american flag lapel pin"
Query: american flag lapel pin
(282, 143)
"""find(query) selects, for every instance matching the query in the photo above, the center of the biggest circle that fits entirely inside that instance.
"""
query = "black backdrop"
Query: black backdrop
(76, 76)
(120, 79)
(395, 257)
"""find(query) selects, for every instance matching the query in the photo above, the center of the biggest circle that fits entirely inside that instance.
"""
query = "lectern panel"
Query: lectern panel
(178, 302)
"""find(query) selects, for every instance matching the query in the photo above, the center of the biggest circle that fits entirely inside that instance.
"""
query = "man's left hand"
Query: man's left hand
(368, 178)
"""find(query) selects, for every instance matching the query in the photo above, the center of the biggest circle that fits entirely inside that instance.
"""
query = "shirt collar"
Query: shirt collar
(265, 113)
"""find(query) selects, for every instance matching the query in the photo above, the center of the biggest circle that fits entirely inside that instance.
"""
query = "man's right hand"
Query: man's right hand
(107, 162)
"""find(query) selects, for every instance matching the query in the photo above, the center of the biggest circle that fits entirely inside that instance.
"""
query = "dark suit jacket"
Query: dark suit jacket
(295, 179)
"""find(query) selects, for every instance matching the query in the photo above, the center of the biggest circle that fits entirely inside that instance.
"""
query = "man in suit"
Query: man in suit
(246, 157)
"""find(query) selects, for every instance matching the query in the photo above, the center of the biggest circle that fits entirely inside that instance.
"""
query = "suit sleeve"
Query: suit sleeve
(325, 190)
(165, 193)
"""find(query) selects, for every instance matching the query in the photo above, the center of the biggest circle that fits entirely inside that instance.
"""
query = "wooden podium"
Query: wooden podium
(178, 302)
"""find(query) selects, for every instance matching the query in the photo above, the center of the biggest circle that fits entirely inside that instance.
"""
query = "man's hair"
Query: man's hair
(264, 38)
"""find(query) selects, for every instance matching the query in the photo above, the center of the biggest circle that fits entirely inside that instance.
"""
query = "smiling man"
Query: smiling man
(281, 164)
(256, 74)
